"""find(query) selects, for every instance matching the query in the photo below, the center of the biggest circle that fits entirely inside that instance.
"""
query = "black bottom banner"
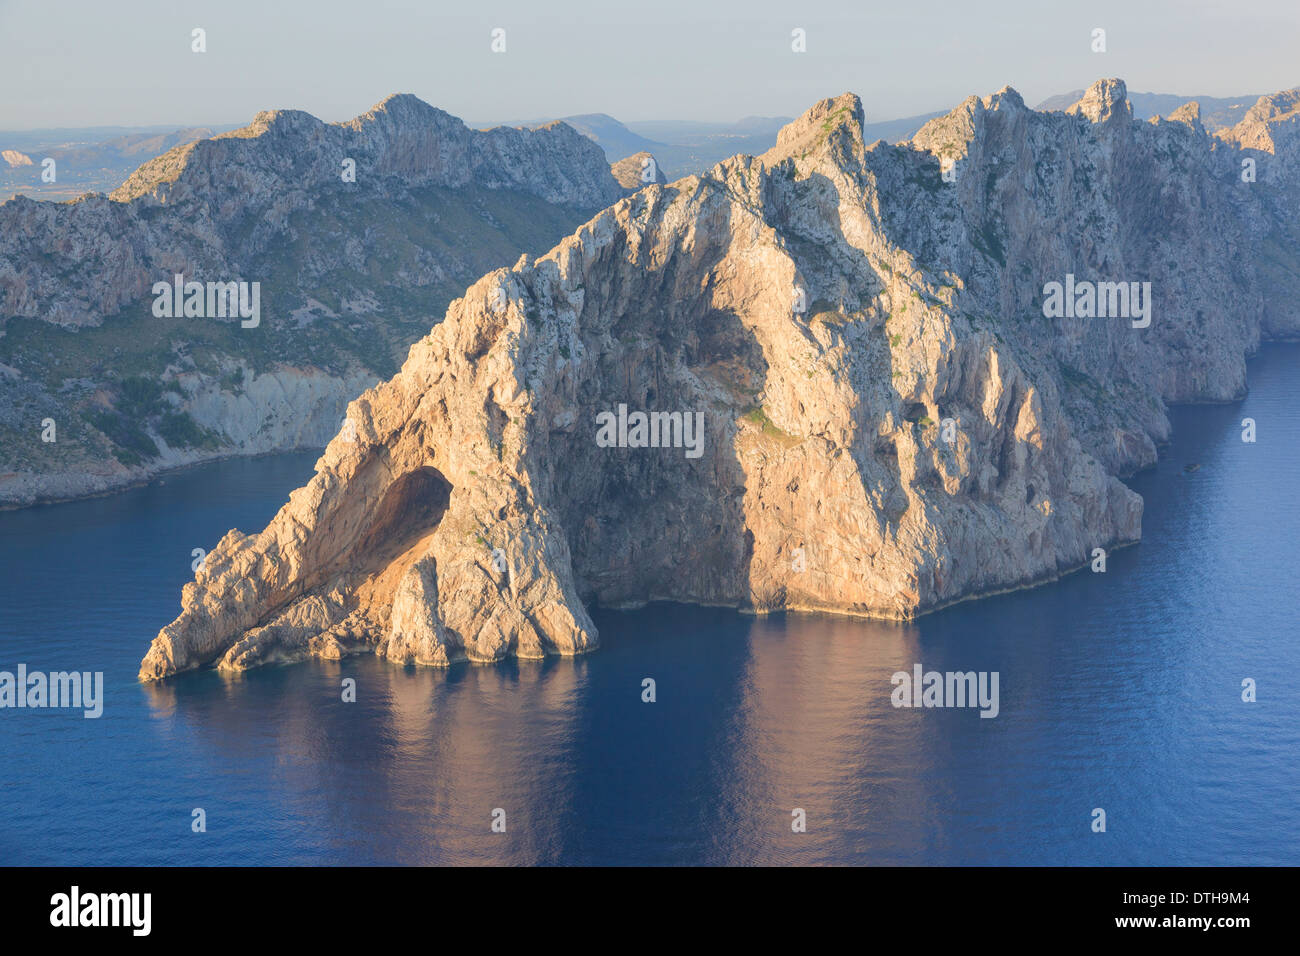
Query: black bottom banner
(335, 905)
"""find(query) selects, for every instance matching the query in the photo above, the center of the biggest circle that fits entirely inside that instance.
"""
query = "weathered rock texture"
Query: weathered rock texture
(349, 273)
(470, 511)
(638, 170)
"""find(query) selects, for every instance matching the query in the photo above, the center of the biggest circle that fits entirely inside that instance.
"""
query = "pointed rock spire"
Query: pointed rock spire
(1104, 101)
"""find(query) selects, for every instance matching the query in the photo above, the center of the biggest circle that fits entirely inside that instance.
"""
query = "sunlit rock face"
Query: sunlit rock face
(891, 417)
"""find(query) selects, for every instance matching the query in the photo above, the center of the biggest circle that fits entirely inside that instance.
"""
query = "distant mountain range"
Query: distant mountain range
(687, 148)
(680, 147)
(98, 159)
(88, 160)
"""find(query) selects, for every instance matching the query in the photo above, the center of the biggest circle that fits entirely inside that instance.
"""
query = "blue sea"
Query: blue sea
(1119, 691)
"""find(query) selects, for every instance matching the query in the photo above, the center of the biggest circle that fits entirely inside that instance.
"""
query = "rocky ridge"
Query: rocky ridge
(891, 422)
(349, 273)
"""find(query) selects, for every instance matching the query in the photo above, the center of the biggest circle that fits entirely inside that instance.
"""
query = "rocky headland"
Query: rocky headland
(893, 416)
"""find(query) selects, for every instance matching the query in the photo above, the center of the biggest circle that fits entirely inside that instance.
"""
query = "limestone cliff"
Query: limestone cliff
(891, 420)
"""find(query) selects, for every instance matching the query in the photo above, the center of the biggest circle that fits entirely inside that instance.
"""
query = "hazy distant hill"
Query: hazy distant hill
(689, 147)
(679, 148)
(895, 131)
(87, 160)
(616, 139)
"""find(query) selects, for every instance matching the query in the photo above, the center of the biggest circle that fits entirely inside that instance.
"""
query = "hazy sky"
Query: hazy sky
(128, 62)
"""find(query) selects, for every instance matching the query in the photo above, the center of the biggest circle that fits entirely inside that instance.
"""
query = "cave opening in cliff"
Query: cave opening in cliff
(411, 508)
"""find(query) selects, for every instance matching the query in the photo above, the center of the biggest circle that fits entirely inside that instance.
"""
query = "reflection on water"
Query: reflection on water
(1119, 691)
(410, 772)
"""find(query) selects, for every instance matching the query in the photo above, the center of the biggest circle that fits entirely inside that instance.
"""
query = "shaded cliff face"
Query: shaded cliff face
(355, 232)
(876, 415)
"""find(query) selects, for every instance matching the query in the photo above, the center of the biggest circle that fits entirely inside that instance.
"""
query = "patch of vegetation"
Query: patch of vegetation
(179, 430)
(1083, 382)
(757, 416)
(133, 444)
(929, 178)
(139, 397)
(829, 124)
(987, 241)
(233, 381)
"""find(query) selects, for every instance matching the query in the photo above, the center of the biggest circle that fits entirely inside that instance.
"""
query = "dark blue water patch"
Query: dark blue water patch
(1120, 691)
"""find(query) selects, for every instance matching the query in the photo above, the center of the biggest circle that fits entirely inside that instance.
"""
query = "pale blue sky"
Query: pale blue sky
(128, 62)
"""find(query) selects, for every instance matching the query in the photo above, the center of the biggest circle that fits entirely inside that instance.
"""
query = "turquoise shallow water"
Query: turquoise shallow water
(1120, 691)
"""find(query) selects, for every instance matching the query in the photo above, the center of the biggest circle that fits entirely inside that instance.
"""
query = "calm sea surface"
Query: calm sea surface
(1119, 690)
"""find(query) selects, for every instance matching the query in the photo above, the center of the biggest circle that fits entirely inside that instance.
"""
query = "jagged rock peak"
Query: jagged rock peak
(401, 103)
(1189, 113)
(280, 121)
(1105, 100)
(404, 111)
(1269, 115)
(817, 125)
(1281, 105)
(1005, 98)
